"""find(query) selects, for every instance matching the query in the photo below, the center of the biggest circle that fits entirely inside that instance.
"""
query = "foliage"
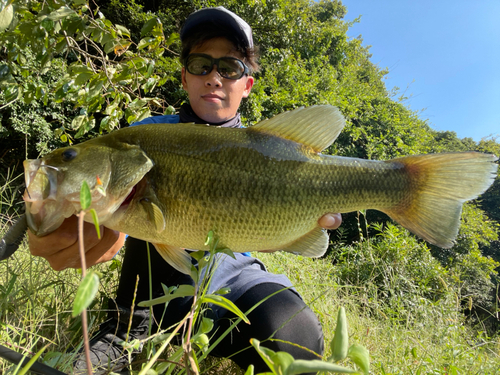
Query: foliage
(397, 268)
(108, 76)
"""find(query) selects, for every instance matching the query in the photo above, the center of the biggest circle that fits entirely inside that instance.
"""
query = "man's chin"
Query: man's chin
(214, 115)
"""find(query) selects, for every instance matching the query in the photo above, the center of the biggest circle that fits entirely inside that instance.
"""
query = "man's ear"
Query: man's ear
(248, 86)
(183, 75)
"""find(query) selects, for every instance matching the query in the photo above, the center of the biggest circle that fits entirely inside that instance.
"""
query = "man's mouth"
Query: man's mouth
(212, 97)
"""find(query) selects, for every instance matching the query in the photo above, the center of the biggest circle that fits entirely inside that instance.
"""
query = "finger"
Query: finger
(330, 221)
(107, 248)
(69, 257)
(66, 258)
(64, 236)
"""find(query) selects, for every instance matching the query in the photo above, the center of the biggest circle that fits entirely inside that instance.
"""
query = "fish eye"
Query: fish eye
(69, 154)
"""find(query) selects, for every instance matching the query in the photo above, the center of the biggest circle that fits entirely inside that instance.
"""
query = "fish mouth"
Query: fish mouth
(129, 197)
(44, 211)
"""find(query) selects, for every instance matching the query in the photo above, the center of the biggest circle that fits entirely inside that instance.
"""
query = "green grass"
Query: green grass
(437, 340)
(36, 304)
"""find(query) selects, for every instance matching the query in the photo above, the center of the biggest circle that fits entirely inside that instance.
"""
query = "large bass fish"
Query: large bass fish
(260, 188)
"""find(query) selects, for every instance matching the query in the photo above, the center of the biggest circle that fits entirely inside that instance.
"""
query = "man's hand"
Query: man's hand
(60, 247)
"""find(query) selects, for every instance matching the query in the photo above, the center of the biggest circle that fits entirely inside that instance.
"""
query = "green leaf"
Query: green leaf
(210, 238)
(227, 252)
(86, 292)
(224, 290)
(95, 219)
(45, 62)
(12, 93)
(123, 30)
(29, 96)
(27, 367)
(6, 17)
(282, 361)
(180, 292)
(85, 196)
(361, 357)
(250, 370)
(4, 71)
(137, 116)
(149, 25)
(95, 88)
(225, 303)
(149, 85)
(170, 110)
(83, 78)
(201, 340)
(144, 42)
(301, 366)
(340, 342)
(76, 69)
(172, 38)
(414, 352)
(48, 24)
(77, 122)
(61, 13)
(207, 325)
(265, 353)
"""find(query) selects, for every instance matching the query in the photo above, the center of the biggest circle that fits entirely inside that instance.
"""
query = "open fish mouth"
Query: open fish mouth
(44, 211)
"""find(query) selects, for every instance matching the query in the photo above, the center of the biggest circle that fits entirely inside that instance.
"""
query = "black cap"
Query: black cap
(222, 17)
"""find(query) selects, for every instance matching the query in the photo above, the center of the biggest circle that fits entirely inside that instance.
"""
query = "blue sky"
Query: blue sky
(444, 54)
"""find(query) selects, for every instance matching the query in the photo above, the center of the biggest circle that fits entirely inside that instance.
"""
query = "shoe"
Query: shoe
(106, 350)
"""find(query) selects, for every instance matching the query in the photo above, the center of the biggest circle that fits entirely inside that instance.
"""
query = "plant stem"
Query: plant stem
(81, 215)
(190, 362)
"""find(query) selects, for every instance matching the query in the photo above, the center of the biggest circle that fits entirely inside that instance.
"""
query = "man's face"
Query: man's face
(213, 98)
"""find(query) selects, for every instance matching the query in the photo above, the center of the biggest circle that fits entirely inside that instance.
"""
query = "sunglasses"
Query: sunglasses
(200, 64)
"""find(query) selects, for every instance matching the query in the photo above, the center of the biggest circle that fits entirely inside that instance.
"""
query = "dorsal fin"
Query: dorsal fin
(317, 126)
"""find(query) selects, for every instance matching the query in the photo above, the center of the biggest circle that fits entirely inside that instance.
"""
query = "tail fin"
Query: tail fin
(440, 184)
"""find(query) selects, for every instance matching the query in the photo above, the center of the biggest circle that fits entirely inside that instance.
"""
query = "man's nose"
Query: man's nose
(213, 78)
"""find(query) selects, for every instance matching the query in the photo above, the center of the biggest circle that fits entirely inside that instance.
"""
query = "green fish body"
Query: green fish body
(260, 188)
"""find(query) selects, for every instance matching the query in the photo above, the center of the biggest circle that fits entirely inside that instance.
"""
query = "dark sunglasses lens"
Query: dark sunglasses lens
(199, 65)
(231, 68)
(228, 67)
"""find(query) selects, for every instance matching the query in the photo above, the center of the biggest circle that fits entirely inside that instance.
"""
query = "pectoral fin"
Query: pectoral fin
(155, 214)
(312, 244)
(317, 126)
(176, 257)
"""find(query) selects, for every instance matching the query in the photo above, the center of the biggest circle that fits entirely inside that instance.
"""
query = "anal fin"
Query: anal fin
(312, 244)
(175, 256)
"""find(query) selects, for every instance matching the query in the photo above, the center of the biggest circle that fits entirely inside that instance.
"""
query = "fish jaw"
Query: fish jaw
(49, 201)
(44, 213)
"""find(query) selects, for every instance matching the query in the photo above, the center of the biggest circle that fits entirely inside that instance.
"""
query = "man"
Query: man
(218, 57)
